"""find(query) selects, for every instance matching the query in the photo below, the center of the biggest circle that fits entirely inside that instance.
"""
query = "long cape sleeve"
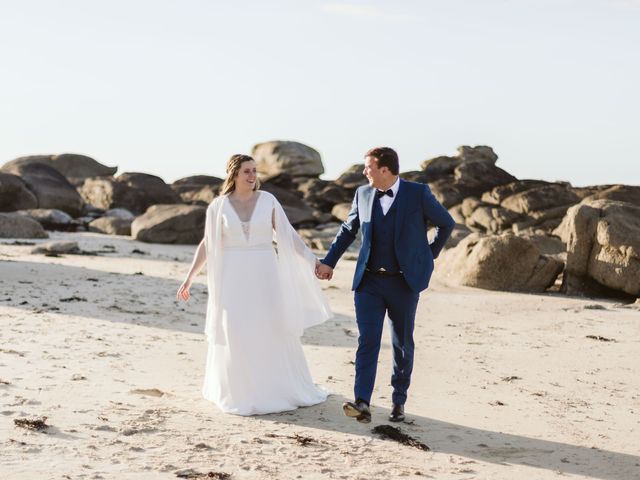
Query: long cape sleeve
(213, 246)
(304, 299)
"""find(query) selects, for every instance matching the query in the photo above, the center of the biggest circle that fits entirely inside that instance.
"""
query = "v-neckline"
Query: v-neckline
(252, 211)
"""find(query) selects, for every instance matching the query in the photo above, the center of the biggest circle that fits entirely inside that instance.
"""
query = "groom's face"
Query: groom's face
(374, 174)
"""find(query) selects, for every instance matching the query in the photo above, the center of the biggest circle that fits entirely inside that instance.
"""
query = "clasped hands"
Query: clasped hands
(323, 272)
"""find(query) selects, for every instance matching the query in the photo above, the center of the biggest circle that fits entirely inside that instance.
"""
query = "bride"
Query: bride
(261, 299)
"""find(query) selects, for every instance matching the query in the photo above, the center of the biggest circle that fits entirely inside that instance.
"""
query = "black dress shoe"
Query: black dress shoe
(397, 413)
(358, 410)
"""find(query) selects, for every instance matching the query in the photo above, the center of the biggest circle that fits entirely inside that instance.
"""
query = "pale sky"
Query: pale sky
(174, 87)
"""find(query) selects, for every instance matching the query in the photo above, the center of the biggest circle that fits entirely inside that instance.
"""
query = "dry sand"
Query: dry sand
(505, 386)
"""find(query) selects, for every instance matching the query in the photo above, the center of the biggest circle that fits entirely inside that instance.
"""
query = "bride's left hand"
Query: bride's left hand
(183, 291)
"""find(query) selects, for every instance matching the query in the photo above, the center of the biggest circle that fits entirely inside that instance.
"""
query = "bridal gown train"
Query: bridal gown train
(259, 369)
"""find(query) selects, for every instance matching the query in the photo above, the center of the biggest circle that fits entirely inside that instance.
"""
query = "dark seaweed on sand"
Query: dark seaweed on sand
(393, 433)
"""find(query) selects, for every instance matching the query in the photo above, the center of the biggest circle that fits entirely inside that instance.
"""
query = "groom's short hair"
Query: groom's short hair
(385, 157)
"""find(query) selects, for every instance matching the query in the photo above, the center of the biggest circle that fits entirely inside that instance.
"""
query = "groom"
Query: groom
(394, 266)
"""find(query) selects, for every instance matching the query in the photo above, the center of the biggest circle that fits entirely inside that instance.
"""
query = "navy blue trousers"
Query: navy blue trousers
(374, 298)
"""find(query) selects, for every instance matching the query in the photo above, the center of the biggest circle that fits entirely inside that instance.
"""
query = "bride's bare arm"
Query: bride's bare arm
(199, 261)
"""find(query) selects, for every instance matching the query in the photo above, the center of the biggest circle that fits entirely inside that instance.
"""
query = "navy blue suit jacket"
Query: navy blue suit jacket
(417, 209)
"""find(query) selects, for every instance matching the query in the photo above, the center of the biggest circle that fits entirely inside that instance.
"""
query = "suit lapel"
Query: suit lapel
(370, 201)
(400, 204)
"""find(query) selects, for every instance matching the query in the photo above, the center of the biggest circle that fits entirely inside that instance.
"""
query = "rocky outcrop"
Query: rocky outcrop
(50, 187)
(341, 211)
(71, 165)
(620, 193)
(197, 189)
(134, 191)
(14, 194)
(352, 178)
(499, 262)
(498, 194)
(19, 226)
(322, 195)
(119, 213)
(476, 177)
(199, 180)
(603, 248)
(298, 212)
(50, 219)
(522, 206)
(201, 195)
(57, 248)
(111, 225)
(460, 232)
(182, 224)
(322, 238)
(470, 173)
(541, 198)
(296, 159)
(486, 217)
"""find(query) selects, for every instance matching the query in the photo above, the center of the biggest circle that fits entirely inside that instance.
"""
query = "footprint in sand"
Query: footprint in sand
(151, 392)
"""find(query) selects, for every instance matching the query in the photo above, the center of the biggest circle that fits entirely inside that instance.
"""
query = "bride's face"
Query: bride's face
(247, 176)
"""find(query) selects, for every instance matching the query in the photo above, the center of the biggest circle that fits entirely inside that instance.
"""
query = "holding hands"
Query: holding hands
(323, 272)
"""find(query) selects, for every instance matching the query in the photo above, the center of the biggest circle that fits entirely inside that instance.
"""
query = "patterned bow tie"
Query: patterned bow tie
(382, 193)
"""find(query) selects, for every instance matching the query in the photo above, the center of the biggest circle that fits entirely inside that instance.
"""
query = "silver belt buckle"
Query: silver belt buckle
(382, 269)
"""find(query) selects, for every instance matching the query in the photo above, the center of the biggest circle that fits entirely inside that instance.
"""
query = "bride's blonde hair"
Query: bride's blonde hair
(233, 167)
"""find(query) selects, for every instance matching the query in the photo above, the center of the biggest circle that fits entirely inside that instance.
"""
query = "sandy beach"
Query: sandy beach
(505, 385)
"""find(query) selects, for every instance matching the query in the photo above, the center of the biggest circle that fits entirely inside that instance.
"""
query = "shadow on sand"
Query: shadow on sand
(482, 445)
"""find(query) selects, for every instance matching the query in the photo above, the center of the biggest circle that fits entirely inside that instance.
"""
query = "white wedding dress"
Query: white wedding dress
(258, 367)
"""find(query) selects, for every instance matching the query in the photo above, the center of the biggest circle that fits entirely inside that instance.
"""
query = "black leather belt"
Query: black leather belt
(384, 273)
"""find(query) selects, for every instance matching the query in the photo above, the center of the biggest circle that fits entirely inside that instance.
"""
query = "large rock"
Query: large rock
(416, 176)
(541, 198)
(504, 262)
(20, 226)
(134, 191)
(170, 224)
(603, 248)
(50, 219)
(439, 167)
(286, 181)
(298, 212)
(50, 187)
(120, 213)
(492, 219)
(460, 232)
(470, 173)
(111, 226)
(322, 238)
(154, 189)
(446, 193)
(547, 220)
(341, 211)
(193, 194)
(621, 193)
(323, 195)
(199, 180)
(478, 153)
(481, 176)
(71, 165)
(197, 189)
(294, 158)
(14, 194)
(352, 177)
(498, 194)
(444, 166)
(57, 248)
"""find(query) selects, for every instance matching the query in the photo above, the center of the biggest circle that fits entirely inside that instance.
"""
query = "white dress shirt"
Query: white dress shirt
(386, 201)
